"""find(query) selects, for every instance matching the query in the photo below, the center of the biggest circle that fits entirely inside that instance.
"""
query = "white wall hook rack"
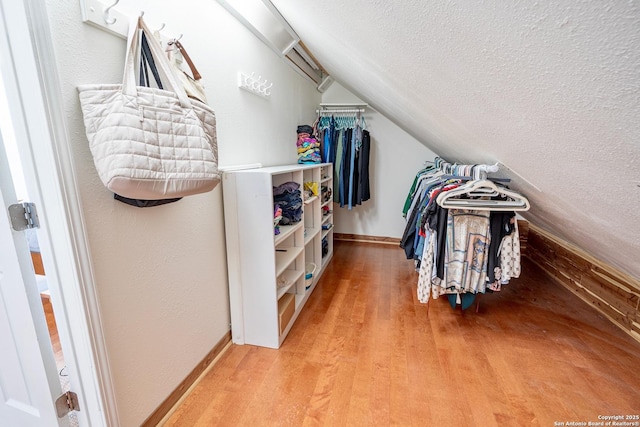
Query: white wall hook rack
(254, 84)
(105, 17)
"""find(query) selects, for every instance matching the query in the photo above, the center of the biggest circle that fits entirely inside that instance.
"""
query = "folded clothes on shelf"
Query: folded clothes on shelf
(288, 198)
(308, 146)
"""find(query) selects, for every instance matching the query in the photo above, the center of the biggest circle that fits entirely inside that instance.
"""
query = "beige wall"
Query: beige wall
(161, 272)
(395, 159)
(550, 89)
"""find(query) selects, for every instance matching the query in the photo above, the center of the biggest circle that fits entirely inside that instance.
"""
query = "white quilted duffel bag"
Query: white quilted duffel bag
(150, 143)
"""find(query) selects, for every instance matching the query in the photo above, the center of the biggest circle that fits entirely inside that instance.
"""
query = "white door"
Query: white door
(29, 380)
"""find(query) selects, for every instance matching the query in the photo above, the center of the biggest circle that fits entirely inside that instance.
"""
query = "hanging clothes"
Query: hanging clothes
(364, 166)
(467, 244)
(347, 144)
(458, 252)
(502, 225)
(509, 259)
(345, 167)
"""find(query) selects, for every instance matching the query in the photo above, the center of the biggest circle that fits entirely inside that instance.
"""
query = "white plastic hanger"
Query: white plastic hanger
(483, 188)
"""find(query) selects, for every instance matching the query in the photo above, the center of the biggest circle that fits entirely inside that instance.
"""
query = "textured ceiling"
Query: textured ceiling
(549, 88)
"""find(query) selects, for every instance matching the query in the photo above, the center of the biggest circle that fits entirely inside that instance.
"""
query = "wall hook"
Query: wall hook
(161, 27)
(267, 90)
(107, 19)
(102, 14)
(254, 84)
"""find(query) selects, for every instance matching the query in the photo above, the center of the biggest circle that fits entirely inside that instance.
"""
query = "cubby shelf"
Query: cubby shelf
(286, 231)
(311, 200)
(310, 234)
(290, 277)
(284, 258)
(267, 285)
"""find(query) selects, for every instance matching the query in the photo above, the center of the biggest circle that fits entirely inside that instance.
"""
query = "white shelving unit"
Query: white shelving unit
(267, 286)
(326, 212)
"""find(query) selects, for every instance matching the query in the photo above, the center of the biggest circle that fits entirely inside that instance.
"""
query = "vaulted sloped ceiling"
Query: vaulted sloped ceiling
(549, 88)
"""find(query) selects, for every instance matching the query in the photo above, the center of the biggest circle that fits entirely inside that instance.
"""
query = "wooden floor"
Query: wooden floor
(364, 353)
(53, 332)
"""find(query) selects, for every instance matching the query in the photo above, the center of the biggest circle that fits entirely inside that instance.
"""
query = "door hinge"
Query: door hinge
(66, 403)
(23, 216)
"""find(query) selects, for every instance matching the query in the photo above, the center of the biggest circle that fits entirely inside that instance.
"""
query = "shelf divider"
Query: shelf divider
(285, 256)
(290, 276)
(286, 231)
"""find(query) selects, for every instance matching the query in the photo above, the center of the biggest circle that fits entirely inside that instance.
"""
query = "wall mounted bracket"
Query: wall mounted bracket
(254, 84)
(105, 17)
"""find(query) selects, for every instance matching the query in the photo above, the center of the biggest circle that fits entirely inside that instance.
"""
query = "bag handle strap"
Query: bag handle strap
(133, 55)
(148, 64)
(185, 55)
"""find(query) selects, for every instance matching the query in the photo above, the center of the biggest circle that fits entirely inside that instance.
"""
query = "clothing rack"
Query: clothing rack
(477, 171)
(483, 253)
(481, 186)
(341, 111)
(346, 142)
(341, 108)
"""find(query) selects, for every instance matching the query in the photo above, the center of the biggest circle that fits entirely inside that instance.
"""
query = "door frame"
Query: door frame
(36, 104)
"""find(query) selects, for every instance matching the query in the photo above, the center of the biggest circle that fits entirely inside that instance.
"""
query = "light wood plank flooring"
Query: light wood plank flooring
(53, 332)
(364, 353)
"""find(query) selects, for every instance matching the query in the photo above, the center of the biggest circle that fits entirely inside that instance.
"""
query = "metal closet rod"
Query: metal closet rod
(343, 104)
(342, 107)
(341, 110)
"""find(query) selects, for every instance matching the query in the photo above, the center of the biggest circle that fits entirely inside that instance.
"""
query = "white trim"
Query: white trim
(288, 28)
(240, 167)
(65, 249)
(257, 26)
